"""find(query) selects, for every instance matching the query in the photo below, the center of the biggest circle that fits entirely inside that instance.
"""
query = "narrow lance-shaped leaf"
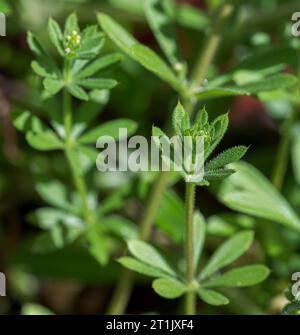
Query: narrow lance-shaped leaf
(198, 237)
(56, 35)
(98, 65)
(226, 157)
(53, 86)
(162, 26)
(241, 277)
(280, 81)
(140, 267)
(71, 24)
(97, 83)
(219, 125)
(117, 33)
(212, 297)
(43, 58)
(228, 252)
(218, 174)
(77, 92)
(249, 191)
(45, 141)
(219, 92)
(169, 288)
(154, 63)
(149, 255)
(25, 121)
(181, 120)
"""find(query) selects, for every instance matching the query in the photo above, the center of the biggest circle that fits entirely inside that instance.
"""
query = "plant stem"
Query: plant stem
(211, 45)
(120, 300)
(281, 160)
(189, 248)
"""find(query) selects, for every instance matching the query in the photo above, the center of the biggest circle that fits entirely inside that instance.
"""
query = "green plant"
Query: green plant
(172, 283)
(73, 216)
(253, 76)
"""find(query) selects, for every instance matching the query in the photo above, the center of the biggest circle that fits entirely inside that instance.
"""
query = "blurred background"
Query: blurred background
(69, 280)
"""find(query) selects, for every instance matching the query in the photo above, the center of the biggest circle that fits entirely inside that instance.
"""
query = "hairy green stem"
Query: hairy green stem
(190, 299)
(120, 299)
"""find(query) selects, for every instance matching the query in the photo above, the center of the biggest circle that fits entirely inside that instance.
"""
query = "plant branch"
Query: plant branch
(282, 155)
(211, 45)
(189, 248)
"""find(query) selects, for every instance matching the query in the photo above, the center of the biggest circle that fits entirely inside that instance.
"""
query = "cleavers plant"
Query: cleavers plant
(250, 77)
(73, 217)
(173, 281)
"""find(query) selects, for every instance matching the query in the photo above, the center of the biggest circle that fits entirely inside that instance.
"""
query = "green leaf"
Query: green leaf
(227, 253)
(262, 59)
(5, 8)
(191, 17)
(99, 245)
(92, 42)
(198, 237)
(149, 255)
(212, 297)
(116, 33)
(44, 59)
(226, 157)
(279, 81)
(296, 156)
(169, 288)
(241, 277)
(35, 309)
(202, 118)
(162, 26)
(56, 238)
(98, 65)
(25, 121)
(219, 125)
(45, 141)
(42, 71)
(219, 92)
(171, 209)
(47, 218)
(99, 84)
(77, 92)
(218, 174)
(142, 268)
(181, 120)
(53, 86)
(71, 24)
(249, 191)
(152, 62)
(56, 36)
(55, 194)
(120, 227)
(110, 128)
